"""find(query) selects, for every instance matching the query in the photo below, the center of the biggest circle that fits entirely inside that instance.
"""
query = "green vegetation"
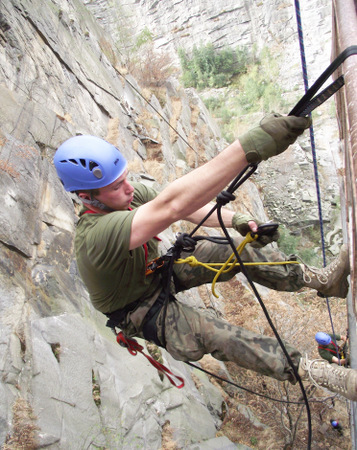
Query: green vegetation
(144, 37)
(291, 244)
(207, 67)
(254, 441)
(249, 84)
(257, 87)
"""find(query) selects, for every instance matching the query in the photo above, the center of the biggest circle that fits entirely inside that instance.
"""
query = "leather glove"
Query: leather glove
(240, 224)
(273, 136)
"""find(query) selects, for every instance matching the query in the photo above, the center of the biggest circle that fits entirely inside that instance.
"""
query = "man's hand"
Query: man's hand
(273, 136)
(245, 224)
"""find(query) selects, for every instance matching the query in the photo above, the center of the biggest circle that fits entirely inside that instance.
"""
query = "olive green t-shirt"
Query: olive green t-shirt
(113, 274)
(328, 351)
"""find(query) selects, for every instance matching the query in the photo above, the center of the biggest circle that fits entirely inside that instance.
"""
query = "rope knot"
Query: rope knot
(192, 261)
(185, 242)
(224, 197)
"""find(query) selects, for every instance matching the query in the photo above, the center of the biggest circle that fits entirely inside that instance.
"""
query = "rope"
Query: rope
(134, 347)
(226, 196)
(227, 266)
(175, 253)
(313, 149)
(250, 391)
(312, 136)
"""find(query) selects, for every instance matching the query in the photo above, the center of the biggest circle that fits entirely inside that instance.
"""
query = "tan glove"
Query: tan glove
(273, 136)
(240, 224)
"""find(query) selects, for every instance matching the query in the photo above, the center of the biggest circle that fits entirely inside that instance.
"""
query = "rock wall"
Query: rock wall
(255, 25)
(60, 366)
(239, 23)
(65, 383)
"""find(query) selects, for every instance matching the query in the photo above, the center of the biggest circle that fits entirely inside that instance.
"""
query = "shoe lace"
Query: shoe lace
(322, 275)
(327, 375)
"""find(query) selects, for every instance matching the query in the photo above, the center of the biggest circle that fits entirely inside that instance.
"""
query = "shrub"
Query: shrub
(144, 37)
(288, 243)
(257, 88)
(208, 67)
(151, 68)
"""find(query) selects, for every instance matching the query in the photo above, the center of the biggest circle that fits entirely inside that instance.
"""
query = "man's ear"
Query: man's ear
(84, 196)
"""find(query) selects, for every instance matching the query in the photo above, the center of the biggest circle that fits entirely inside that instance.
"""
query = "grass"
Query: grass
(24, 429)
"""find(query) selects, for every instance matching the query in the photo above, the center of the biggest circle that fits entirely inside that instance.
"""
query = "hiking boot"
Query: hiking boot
(330, 281)
(330, 376)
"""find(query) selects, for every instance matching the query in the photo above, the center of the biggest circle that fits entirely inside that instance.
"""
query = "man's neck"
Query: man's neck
(95, 209)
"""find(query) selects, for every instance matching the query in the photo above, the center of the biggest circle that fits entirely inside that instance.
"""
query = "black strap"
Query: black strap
(322, 96)
(307, 103)
(118, 316)
(150, 327)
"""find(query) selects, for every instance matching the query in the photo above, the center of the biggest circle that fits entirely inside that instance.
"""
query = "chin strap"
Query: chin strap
(96, 203)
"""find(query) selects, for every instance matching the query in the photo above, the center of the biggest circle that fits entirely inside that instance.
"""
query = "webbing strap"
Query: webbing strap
(307, 99)
(323, 96)
(329, 349)
(134, 347)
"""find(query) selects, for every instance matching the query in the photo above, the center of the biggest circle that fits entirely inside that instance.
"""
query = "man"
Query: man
(329, 350)
(116, 238)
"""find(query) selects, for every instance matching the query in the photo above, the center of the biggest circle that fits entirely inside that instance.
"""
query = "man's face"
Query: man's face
(117, 195)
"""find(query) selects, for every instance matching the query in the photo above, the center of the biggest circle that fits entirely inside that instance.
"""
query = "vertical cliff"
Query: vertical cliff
(65, 383)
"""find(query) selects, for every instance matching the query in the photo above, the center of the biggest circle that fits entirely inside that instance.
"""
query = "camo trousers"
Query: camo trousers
(287, 277)
(192, 333)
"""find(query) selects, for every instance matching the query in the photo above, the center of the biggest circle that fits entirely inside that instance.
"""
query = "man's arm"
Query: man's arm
(336, 361)
(212, 221)
(187, 194)
(194, 190)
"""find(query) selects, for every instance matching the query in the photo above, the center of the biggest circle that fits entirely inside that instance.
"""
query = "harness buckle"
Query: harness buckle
(154, 265)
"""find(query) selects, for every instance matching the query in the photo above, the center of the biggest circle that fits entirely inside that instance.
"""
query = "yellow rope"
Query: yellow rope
(228, 265)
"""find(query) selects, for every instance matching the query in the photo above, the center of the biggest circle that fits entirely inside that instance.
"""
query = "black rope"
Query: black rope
(234, 186)
(249, 390)
(303, 107)
(175, 251)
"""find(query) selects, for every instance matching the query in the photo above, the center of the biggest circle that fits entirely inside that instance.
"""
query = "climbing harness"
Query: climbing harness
(336, 352)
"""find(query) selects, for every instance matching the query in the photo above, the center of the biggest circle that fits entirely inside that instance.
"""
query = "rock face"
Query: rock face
(59, 362)
(255, 25)
(55, 349)
(240, 23)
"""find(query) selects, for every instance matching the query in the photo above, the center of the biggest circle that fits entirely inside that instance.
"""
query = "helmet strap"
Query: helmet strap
(97, 204)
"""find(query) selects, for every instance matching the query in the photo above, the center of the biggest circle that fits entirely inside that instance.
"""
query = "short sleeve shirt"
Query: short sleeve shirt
(328, 351)
(113, 274)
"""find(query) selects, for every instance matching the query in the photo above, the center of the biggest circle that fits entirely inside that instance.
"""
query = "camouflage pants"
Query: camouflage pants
(280, 277)
(192, 333)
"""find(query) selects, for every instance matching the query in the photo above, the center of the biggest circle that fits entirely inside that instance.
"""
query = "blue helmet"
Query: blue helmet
(323, 338)
(88, 162)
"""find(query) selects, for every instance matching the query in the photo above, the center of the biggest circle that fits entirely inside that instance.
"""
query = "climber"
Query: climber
(116, 238)
(329, 350)
(336, 426)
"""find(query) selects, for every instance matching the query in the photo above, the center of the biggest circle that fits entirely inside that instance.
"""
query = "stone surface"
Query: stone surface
(59, 78)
